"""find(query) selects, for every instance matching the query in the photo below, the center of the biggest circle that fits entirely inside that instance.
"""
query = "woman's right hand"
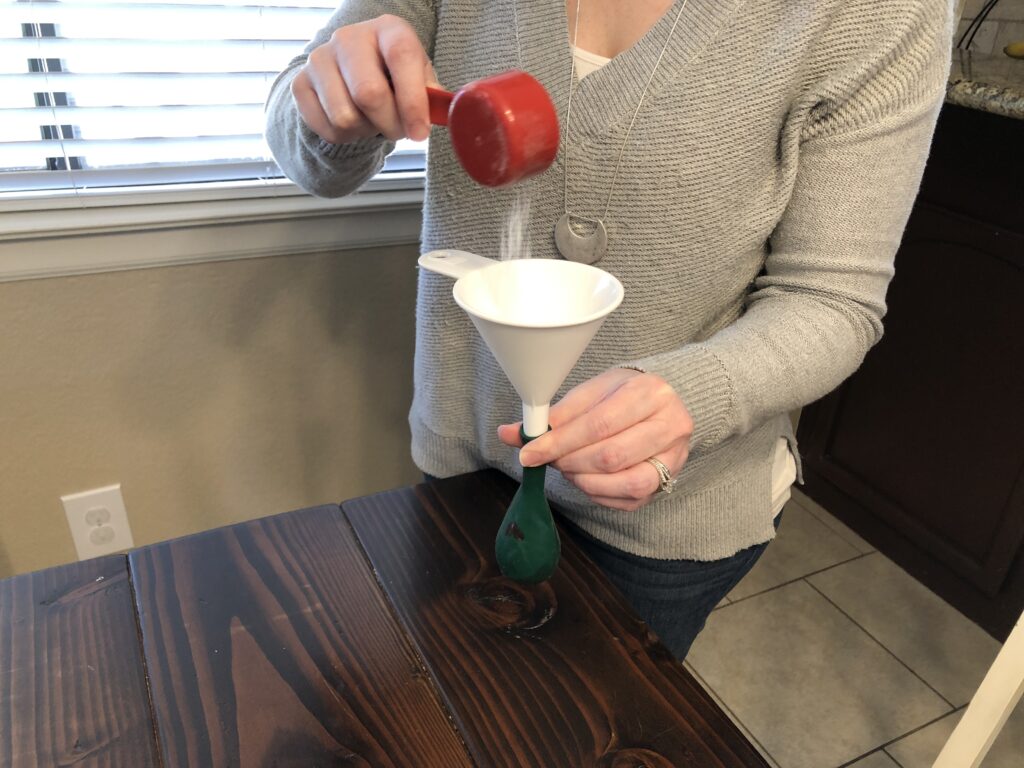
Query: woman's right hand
(369, 79)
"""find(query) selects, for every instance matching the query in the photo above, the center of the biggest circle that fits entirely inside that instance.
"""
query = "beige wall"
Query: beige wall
(213, 392)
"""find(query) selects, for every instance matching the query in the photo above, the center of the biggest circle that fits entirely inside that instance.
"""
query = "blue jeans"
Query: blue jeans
(673, 597)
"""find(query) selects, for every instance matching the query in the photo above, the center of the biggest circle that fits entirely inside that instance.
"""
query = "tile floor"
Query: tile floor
(828, 655)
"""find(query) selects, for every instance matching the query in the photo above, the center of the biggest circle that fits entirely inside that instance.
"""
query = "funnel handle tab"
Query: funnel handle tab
(454, 264)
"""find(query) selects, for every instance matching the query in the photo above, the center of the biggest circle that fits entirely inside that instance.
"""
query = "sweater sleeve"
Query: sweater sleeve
(817, 307)
(319, 167)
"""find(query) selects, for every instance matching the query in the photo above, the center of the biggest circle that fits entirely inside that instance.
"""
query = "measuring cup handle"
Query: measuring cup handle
(440, 101)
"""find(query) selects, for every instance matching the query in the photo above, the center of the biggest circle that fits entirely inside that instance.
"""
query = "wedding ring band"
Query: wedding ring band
(666, 483)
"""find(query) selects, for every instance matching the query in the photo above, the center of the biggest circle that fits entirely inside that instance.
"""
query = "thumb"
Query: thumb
(509, 434)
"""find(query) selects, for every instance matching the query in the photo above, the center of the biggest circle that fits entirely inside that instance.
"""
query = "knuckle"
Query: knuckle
(340, 37)
(684, 423)
(684, 455)
(600, 426)
(340, 117)
(370, 94)
(404, 51)
(316, 58)
(581, 482)
(609, 458)
(638, 488)
(663, 391)
(395, 25)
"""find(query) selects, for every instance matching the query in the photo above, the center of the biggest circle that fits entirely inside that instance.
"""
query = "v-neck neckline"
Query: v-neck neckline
(610, 94)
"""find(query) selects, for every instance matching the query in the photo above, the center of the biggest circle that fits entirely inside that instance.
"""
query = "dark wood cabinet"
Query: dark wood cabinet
(922, 450)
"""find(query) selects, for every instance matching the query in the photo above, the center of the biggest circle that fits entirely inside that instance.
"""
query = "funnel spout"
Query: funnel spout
(536, 316)
(535, 419)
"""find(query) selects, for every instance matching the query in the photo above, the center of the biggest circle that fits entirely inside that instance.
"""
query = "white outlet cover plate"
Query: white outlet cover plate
(85, 508)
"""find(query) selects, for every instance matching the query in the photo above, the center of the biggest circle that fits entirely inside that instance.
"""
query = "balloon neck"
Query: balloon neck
(533, 480)
(533, 477)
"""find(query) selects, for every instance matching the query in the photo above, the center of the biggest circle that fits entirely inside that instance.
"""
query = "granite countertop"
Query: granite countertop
(991, 82)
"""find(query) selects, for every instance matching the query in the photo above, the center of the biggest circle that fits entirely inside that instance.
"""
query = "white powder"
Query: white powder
(515, 239)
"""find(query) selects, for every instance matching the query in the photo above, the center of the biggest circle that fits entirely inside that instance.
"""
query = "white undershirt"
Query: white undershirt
(587, 62)
(783, 464)
(783, 475)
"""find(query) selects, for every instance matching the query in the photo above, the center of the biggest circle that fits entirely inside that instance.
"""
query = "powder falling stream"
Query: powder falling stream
(515, 239)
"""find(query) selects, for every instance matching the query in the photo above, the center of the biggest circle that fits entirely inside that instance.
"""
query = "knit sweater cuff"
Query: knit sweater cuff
(702, 383)
(339, 153)
(319, 167)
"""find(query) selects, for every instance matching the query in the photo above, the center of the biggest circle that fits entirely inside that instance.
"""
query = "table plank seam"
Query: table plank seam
(429, 596)
(154, 725)
(435, 686)
(601, 614)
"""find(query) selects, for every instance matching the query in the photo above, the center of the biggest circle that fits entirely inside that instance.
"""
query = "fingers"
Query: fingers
(629, 486)
(585, 395)
(627, 490)
(361, 63)
(310, 109)
(407, 64)
(576, 402)
(325, 106)
(626, 505)
(623, 408)
(625, 449)
(604, 431)
(368, 79)
(509, 434)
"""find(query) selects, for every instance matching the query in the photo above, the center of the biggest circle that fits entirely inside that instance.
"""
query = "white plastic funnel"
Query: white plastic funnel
(536, 315)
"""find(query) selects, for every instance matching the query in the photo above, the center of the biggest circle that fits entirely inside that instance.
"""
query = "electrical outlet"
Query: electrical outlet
(98, 521)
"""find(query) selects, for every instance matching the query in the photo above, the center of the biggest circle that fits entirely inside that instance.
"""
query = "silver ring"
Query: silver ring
(666, 483)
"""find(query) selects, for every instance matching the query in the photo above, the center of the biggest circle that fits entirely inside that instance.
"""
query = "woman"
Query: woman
(752, 166)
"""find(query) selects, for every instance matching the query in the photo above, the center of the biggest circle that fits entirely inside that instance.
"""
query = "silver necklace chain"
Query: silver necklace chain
(632, 121)
(590, 248)
(515, 23)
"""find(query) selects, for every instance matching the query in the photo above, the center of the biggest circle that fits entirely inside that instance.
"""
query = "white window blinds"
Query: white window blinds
(96, 95)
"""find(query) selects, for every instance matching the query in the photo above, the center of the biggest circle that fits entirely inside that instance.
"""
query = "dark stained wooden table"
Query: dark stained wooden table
(379, 633)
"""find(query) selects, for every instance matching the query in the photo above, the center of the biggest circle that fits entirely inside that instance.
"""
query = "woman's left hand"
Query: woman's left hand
(604, 430)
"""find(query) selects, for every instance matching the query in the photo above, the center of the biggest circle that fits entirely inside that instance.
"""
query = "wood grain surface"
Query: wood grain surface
(72, 684)
(557, 674)
(269, 643)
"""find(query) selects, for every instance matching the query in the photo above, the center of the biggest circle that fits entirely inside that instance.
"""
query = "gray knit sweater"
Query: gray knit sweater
(762, 195)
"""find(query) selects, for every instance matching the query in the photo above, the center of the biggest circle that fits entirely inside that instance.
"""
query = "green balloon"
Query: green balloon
(527, 547)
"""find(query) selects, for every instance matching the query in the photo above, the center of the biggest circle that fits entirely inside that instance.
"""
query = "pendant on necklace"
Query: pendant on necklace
(586, 249)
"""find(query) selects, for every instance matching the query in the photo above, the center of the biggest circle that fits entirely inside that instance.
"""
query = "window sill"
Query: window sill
(132, 229)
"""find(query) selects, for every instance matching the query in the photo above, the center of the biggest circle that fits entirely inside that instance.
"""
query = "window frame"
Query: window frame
(68, 233)
(182, 217)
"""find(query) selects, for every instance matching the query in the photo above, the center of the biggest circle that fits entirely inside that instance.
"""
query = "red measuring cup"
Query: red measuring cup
(503, 128)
